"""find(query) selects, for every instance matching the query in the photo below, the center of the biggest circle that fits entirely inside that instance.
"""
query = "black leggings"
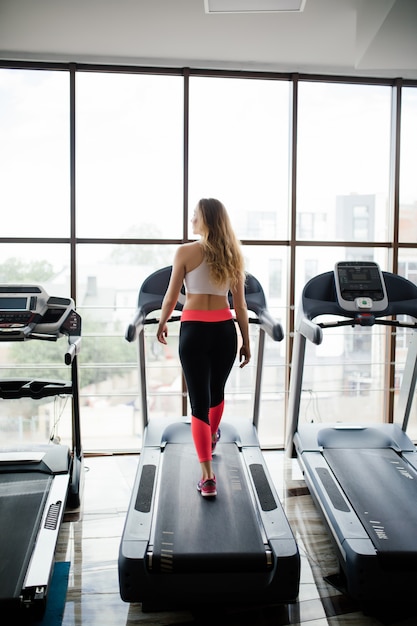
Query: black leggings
(207, 352)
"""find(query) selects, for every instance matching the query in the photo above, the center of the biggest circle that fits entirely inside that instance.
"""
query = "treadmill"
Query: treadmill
(362, 477)
(177, 545)
(37, 481)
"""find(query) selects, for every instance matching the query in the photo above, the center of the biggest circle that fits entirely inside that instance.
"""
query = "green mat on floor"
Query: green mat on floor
(57, 594)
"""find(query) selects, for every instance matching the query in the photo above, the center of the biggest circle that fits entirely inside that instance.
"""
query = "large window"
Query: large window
(145, 147)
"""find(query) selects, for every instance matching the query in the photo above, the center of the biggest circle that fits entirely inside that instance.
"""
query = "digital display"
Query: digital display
(365, 278)
(13, 304)
(355, 280)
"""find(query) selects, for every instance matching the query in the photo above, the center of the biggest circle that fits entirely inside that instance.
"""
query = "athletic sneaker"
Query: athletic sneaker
(207, 487)
(214, 443)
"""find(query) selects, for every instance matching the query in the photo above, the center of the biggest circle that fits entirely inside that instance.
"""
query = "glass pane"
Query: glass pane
(26, 420)
(45, 264)
(343, 162)
(344, 377)
(129, 156)
(34, 153)
(109, 279)
(408, 182)
(269, 265)
(238, 151)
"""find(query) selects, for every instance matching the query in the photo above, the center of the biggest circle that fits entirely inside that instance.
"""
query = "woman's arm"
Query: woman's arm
(241, 311)
(171, 295)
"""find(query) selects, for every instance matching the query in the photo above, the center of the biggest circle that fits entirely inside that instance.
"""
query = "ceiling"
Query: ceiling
(346, 37)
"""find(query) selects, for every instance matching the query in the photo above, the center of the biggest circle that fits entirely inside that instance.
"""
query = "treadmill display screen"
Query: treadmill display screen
(360, 284)
(14, 303)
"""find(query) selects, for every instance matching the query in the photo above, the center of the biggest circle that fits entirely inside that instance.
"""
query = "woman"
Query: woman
(209, 268)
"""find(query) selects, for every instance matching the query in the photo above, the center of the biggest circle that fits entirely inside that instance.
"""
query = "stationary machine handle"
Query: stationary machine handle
(270, 325)
(311, 331)
(153, 290)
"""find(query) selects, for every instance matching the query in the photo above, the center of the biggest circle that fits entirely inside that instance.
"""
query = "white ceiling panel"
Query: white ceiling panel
(350, 37)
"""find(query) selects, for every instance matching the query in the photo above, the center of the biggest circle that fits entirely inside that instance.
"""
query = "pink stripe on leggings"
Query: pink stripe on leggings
(197, 315)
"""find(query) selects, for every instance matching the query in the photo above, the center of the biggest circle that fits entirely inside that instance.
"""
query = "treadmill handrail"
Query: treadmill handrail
(149, 301)
(319, 297)
(310, 330)
(151, 295)
(135, 326)
(270, 325)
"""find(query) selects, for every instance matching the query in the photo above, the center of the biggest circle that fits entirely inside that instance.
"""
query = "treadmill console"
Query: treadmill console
(27, 310)
(360, 286)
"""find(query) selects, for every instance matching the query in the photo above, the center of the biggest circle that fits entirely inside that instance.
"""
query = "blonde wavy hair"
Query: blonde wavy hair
(221, 247)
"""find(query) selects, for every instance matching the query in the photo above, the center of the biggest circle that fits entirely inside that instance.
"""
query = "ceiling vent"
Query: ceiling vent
(254, 6)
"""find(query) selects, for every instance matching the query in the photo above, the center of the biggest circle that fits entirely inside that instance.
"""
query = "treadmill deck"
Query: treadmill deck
(382, 489)
(193, 533)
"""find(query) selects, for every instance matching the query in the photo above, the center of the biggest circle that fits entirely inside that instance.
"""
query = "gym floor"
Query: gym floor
(90, 541)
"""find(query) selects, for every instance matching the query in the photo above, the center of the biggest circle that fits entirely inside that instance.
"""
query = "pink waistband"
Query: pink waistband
(197, 315)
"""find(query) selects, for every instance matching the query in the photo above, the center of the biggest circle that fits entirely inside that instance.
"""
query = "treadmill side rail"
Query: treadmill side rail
(138, 522)
(39, 570)
(337, 512)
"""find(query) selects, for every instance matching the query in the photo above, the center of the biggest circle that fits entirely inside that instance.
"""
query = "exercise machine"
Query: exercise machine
(177, 546)
(37, 481)
(362, 477)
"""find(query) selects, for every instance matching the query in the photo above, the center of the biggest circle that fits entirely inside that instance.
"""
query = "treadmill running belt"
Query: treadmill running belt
(199, 534)
(22, 497)
(382, 489)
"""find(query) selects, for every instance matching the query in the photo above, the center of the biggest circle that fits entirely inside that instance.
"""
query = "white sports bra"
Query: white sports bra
(198, 281)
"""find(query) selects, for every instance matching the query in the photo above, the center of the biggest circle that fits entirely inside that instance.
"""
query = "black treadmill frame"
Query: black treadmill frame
(53, 318)
(364, 575)
(279, 581)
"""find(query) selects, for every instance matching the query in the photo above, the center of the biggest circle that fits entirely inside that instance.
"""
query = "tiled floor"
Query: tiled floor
(91, 544)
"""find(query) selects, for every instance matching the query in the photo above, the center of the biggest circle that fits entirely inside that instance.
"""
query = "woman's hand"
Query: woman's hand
(244, 356)
(162, 333)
